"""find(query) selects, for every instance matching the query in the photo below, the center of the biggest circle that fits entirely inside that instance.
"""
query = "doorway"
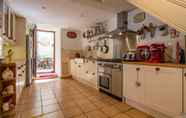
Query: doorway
(45, 52)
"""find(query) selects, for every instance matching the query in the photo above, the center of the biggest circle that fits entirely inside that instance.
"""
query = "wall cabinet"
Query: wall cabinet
(7, 21)
(159, 88)
(84, 71)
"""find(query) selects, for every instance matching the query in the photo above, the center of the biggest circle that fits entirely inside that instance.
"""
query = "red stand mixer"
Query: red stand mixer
(157, 53)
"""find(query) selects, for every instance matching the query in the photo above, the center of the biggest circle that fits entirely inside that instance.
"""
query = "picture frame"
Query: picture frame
(139, 17)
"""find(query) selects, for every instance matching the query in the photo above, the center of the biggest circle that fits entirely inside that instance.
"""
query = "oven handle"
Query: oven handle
(104, 74)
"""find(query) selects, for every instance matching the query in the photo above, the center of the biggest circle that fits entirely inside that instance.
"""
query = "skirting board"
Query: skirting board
(66, 76)
(145, 109)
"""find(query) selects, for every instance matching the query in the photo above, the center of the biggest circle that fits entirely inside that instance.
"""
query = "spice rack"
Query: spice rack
(7, 89)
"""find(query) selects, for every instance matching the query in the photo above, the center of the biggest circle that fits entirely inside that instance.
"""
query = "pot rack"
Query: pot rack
(100, 38)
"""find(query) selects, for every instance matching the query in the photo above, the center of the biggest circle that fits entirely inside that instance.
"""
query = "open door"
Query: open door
(30, 57)
(45, 52)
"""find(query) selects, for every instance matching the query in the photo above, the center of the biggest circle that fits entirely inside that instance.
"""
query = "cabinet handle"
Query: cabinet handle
(157, 69)
(185, 74)
(138, 84)
(137, 69)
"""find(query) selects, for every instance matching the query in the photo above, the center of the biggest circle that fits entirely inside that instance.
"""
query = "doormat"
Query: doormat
(47, 76)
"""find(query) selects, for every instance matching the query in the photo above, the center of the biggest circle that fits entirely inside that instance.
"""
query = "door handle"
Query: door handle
(137, 69)
(184, 74)
(138, 84)
(157, 69)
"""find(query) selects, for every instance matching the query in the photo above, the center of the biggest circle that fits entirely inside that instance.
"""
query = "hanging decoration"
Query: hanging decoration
(71, 35)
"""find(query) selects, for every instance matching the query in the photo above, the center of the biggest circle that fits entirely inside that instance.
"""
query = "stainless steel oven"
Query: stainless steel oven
(105, 76)
(105, 82)
(110, 77)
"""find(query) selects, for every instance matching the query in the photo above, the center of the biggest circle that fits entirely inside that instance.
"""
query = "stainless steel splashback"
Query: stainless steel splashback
(130, 41)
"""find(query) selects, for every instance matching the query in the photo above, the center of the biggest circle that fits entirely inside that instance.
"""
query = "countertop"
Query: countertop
(172, 65)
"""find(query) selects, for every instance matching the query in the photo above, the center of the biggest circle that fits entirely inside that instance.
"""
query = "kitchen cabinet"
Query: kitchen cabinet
(134, 83)
(117, 81)
(7, 21)
(84, 71)
(158, 88)
(163, 89)
(184, 91)
(73, 68)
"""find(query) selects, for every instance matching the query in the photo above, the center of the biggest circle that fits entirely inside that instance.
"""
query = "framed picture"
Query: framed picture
(71, 35)
(140, 17)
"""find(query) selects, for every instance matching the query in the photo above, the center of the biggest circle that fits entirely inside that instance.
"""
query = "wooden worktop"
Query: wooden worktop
(172, 65)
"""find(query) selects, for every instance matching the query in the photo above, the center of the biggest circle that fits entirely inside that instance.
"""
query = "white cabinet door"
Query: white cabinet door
(149, 77)
(134, 83)
(184, 91)
(163, 90)
(72, 67)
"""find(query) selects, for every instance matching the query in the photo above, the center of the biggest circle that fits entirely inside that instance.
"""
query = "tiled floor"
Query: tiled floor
(70, 99)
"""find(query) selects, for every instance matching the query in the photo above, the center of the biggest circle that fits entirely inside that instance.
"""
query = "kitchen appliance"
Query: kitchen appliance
(157, 53)
(110, 76)
(143, 52)
(130, 56)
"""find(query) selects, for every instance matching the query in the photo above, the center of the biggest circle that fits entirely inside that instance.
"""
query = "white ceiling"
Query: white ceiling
(68, 13)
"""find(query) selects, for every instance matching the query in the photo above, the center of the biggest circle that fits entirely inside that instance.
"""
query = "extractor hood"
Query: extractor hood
(121, 28)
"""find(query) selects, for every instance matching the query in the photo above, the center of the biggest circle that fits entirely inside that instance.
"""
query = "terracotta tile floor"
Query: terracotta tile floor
(70, 99)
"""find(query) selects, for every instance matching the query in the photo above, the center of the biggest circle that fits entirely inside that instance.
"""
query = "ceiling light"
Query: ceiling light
(110, 36)
(43, 7)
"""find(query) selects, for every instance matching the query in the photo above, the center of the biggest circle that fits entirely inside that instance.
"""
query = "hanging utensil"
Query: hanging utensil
(105, 48)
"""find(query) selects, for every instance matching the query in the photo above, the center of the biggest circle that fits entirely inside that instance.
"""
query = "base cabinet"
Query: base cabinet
(158, 88)
(134, 83)
(163, 90)
(84, 71)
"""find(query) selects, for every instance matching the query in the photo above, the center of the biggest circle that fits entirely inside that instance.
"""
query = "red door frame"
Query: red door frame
(41, 30)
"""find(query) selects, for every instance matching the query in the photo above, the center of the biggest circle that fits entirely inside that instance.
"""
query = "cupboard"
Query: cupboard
(158, 88)
(7, 21)
(134, 83)
(85, 71)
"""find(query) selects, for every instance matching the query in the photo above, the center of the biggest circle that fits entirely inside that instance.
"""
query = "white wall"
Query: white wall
(171, 13)
(170, 43)
(71, 44)
(20, 37)
(57, 45)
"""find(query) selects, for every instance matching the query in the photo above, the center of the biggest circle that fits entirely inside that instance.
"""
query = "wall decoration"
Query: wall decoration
(95, 30)
(71, 35)
(164, 30)
(174, 33)
(152, 30)
(7, 51)
(140, 17)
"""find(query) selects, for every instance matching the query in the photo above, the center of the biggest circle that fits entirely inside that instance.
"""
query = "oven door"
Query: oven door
(105, 82)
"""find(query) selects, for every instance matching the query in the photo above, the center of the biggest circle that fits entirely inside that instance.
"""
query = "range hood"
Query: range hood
(121, 28)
